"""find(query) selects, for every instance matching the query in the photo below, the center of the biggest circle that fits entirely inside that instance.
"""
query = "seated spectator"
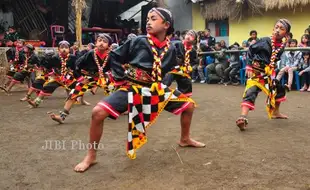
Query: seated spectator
(304, 41)
(234, 66)
(245, 44)
(253, 37)
(288, 38)
(198, 67)
(206, 44)
(305, 72)
(11, 36)
(207, 41)
(307, 31)
(216, 70)
(293, 59)
(223, 44)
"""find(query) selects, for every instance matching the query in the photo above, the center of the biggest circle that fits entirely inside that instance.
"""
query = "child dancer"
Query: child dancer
(63, 66)
(29, 61)
(260, 70)
(14, 55)
(187, 57)
(90, 73)
(42, 71)
(148, 59)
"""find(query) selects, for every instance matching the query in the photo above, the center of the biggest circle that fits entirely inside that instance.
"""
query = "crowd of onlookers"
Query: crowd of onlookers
(8, 38)
(225, 68)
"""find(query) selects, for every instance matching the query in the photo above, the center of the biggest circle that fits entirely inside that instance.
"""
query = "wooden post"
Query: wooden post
(79, 6)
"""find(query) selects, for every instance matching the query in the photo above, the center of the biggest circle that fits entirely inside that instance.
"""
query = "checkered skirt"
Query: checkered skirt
(144, 106)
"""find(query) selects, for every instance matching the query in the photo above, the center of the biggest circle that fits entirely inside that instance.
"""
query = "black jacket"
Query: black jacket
(207, 47)
(137, 52)
(261, 52)
(33, 60)
(87, 62)
(180, 49)
(55, 63)
(11, 55)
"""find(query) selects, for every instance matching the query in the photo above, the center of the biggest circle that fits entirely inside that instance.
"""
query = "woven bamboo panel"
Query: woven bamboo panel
(3, 65)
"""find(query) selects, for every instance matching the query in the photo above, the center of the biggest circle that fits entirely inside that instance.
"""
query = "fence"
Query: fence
(241, 51)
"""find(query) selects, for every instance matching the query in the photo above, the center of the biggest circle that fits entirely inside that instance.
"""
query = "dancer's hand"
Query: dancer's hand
(300, 73)
(85, 81)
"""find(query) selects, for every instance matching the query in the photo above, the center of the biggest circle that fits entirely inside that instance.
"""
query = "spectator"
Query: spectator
(289, 37)
(304, 42)
(221, 61)
(223, 44)
(11, 36)
(200, 68)
(307, 31)
(305, 73)
(245, 44)
(207, 42)
(234, 66)
(201, 64)
(293, 59)
(253, 37)
(216, 70)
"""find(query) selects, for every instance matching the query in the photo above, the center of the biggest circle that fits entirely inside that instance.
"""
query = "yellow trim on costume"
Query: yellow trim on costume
(256, 81)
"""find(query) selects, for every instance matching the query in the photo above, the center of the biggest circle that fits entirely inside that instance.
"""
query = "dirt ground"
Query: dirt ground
(269, 155)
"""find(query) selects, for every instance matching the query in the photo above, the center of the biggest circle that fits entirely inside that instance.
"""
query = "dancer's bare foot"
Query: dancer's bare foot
(32, 103)
(88, 161)
(125, 113)
(5, 90)
(191, 143)
(55, 117)
(279, 116)
(242, 123)
(94, 90)
(24, 99)
(85, 103)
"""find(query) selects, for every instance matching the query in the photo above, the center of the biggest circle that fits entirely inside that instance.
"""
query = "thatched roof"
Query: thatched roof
(237, 9)
(273, 4)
